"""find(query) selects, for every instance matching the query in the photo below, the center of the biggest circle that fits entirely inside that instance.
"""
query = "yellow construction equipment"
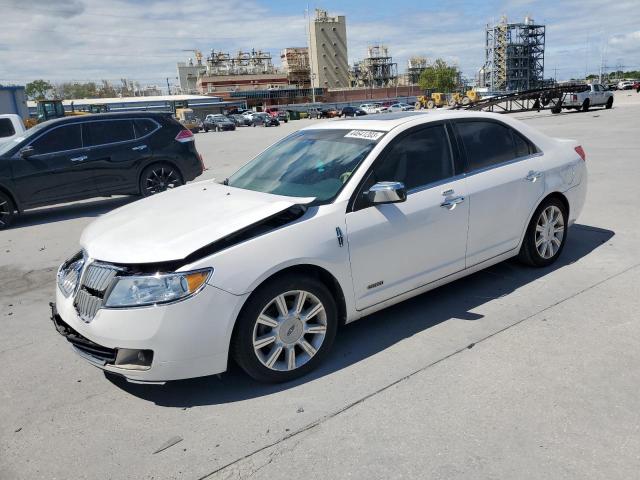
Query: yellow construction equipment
(431, 101)
(467, 98)
(187, 118)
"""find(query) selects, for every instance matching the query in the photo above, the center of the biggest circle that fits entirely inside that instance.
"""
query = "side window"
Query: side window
(144, 127)
(417, 159)
(108, 131)
(67, 137)
(486, 143)
(523, 148)
(6, 128)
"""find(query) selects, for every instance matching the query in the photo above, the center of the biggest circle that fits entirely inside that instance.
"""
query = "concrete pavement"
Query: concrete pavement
(547, 389)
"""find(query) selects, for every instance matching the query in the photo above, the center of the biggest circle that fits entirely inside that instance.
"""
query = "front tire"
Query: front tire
(159, 177)
(7, 211)
(546, 234)
(285, 329)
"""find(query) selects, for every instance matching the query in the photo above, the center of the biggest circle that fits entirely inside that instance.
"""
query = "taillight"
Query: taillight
(185, 136)
(580, 151)
(574, 98)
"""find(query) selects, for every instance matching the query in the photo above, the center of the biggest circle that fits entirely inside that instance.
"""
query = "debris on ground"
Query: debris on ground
(169, 443)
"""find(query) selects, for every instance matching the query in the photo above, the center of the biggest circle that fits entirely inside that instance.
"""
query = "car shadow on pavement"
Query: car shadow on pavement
(58, 213)
(371, 335)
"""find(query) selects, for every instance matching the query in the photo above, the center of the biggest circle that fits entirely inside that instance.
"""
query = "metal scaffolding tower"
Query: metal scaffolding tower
(514, 56)
(377, 70)
(243, 63)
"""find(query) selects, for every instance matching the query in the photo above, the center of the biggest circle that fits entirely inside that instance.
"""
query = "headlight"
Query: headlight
(137, 291)
(69, 274)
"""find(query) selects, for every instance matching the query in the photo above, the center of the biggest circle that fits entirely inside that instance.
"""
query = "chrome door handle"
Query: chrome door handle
(139, 147)
(452, 202)
(79, 159)
(533, 176)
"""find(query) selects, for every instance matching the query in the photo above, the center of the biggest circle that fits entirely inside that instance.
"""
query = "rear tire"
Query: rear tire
(546, 234)
(609, 103)
(585, 105)
(158, 178)
(7, 211)
(289, 344)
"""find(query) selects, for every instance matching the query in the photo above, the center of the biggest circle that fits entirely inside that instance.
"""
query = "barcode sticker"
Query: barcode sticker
(364, 134)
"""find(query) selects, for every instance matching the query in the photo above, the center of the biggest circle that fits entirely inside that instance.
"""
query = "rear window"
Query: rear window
(144, 126)
(489, 143)
(108, 131)
(6, 128)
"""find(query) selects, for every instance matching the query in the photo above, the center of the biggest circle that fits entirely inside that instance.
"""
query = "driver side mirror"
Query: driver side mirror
(387, 192)
(26, 152)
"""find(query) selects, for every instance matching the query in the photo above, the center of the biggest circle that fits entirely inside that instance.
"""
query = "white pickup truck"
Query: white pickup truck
(595, 96)
(11, 126)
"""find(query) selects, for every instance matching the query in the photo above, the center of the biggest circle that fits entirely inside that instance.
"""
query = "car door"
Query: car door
(395, 248)
(57, 168)
(117, 152)
(505, 183)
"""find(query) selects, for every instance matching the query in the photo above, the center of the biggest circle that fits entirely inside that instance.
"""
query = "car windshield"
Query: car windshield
(308, 163)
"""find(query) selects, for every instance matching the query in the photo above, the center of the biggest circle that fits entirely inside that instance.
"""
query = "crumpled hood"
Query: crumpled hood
(173, 224)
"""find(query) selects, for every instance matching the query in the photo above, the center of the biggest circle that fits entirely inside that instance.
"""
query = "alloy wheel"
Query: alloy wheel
(6, 212)
(290, 330)
(161, 179)
(549, 232)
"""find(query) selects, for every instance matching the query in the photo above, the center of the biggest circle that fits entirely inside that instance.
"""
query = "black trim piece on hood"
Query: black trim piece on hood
(256, 229)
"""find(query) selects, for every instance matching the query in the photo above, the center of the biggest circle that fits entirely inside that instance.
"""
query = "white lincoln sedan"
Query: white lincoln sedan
(328, 225)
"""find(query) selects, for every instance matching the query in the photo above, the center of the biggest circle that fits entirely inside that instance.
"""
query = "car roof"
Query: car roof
(106, 116)
(386, 122)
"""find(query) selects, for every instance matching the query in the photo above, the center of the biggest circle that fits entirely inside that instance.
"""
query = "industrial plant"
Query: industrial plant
(514, 56)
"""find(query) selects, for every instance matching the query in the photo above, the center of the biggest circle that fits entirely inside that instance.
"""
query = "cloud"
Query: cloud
(81, 40)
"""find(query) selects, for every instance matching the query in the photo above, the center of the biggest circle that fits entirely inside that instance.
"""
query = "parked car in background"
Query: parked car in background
(636, 86)
(595, 96)
(314, 112)
(330, 112)
(239, 120)
(350, 111)
(11, 127)
(625, 85)
(73, 158)
(373, 108)
(283, 116)
(290, 246)
(400, 107)
(264, 119)
(218, 123)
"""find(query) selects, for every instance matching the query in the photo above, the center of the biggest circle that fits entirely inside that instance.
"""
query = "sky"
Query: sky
(82, 40)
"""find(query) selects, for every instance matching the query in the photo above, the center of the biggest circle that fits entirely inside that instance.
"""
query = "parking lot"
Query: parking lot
(510, 373)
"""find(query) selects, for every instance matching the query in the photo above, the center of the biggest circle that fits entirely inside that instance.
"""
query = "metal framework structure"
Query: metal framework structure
(415, 67)
(514, 56)
(243, 63)
(534, 99)
(377, 70)
(295, 62)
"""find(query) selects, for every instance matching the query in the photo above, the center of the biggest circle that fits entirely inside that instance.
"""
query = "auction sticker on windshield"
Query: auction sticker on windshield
(365, 134)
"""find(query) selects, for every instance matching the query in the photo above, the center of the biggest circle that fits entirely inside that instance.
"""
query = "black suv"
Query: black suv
(73, 158)
(352, 112)
(218, 123)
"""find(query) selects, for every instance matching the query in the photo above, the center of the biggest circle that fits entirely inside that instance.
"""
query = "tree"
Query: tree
(38, 89)
(439, 77)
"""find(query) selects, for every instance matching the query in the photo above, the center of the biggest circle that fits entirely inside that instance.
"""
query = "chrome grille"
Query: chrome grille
(95, 281)
(98, 276)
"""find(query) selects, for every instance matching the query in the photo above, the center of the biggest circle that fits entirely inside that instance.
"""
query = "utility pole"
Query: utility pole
(311, 74)
(168, 87)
